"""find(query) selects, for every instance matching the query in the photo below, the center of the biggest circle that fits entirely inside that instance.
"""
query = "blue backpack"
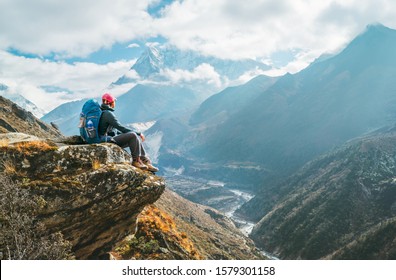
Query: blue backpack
(89, 121)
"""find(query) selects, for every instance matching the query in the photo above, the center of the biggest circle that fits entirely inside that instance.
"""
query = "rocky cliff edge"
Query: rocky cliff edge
(90, 193)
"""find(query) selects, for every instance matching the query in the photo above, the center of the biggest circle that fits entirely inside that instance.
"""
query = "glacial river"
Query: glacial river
(244, 226)
(216, 195)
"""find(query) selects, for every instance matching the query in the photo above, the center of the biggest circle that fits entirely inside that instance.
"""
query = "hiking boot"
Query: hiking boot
(139, 165)
(151, 168)
(146, 161)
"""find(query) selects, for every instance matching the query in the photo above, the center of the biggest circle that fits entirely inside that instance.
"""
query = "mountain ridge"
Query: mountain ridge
(14, 118)
(341, 196)
(305, 114)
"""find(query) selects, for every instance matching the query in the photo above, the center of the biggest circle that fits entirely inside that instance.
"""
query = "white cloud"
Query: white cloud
(133, 45)
(26, 76)
(132, 74)
(247, 76)
(36, 94)
(240, 29)
(73, 27)
(224, 28)
(301, 61)
(118, 90)
(204, 72)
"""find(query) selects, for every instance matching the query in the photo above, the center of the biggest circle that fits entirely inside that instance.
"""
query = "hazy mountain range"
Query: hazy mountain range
(341, 205)
(306, 114)
(163, 81)
(285, 124)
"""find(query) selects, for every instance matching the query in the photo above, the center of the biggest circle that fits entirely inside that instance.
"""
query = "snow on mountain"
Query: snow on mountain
(141, 126)
(3, 87)
(21, 101)
(162, 81)
(150, 62)
(163, 63)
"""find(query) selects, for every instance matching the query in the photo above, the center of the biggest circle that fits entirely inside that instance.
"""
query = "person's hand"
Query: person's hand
(142, 137)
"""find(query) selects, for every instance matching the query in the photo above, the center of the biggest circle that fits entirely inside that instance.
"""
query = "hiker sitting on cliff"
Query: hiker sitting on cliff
(108, 123)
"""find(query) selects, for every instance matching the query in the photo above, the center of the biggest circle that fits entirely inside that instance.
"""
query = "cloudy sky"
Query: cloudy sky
(56, 51)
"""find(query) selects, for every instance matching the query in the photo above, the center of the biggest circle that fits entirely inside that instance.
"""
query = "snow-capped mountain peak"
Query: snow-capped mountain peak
(167, 63)
(149, 63)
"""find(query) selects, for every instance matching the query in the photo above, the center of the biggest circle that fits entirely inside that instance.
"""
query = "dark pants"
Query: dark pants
(133, 141)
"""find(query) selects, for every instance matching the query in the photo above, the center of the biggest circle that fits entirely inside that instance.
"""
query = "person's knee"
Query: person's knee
(132, 136)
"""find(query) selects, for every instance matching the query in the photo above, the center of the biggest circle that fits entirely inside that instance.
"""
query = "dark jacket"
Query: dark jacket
(108, 122)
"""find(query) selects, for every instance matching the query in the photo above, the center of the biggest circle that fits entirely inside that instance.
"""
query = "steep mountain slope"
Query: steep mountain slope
(13, 118)
(150, 62)
(341, 205)
(213, 234)
(66, 116)
(175, 228)
(306, 114)
(183, 132)
(221, 106)
(21, 101)
(146, 103)
(378, 243)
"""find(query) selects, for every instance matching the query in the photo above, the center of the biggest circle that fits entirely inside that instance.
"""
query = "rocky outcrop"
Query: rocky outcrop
(90, 193)
(93, 196)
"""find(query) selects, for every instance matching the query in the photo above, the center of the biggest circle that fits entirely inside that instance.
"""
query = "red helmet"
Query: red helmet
(108, 97)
